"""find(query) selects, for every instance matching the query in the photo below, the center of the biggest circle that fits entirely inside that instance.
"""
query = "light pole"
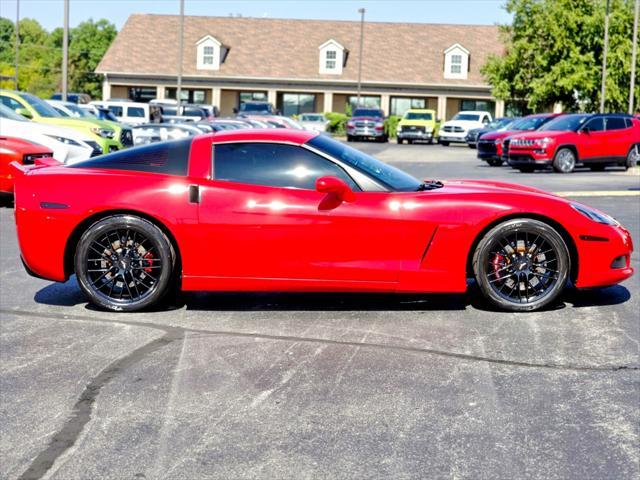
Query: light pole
(634, 53)
(17, 42)
(180, 53)
(65, 52)
(604, 57)
(361, 11)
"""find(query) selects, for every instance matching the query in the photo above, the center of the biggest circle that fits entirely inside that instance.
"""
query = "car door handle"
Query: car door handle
(194, 193)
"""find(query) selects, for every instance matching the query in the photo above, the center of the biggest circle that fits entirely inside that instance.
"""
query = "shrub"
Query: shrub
(337, 123)
(391, 125)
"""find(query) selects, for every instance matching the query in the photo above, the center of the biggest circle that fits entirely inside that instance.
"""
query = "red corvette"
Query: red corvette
(286, 210)
(21, 151)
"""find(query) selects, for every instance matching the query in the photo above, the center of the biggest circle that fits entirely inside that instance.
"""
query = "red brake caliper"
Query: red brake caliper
(149, 261)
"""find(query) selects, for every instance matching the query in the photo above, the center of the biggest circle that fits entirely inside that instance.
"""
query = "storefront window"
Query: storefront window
(399, 105)
(188, 95)
(296, 103)
(365, 102)
(142, 94)
(478, 105)
(252, 97)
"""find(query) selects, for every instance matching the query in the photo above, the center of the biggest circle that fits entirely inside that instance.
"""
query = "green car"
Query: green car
(418, 125)
(108, 134)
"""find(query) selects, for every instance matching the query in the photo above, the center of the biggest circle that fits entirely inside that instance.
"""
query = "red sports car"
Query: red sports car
(286, 210)
(21, 151)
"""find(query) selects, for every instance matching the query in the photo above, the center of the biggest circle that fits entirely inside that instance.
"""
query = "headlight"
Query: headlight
(594, 214)
(528, 142)
(428, 129)
(399, 128)
(65, 140)
(103, 132)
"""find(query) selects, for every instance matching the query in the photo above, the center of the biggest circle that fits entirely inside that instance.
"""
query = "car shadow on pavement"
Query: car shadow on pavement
(68, 295)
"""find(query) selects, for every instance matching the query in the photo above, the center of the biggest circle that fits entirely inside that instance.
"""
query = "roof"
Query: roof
(406, 53)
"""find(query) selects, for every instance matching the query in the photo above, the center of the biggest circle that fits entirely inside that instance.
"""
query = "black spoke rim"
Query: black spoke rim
(123, 265)
(522, 266)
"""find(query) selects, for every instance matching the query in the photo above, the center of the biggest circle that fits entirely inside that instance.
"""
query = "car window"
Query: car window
(565, 123)
(135, 112)
(117, 111)
(467, 116)
(11, 103)
(418, 116)
(6, 112)
(273, 165)
(616, 123)
(60, 111)
(595, 124)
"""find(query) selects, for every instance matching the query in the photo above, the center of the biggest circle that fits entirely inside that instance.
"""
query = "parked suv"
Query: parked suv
(498, 124)
(491, 145)
(592, 140)
(455, 130)
(367, 123)
(417, 125)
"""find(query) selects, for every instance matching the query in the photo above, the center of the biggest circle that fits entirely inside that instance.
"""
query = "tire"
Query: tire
(399, 141)
(410, 142)
(430, 141)
(124, 278)
(473, 147)
(633, 157)
(349, 138)
(526, 169)
(444, 144)
(495, 162)
(534, 262)
(564, 160)
(597, 168)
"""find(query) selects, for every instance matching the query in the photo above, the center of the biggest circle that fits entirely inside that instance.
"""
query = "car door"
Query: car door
(261, 217)
(619, 137)
(592, 141)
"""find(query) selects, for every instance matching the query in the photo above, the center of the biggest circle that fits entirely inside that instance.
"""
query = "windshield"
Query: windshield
(529, 123)
(418, 116)
(312, 118)
(501, 123)
(565, 123)
(6, 112)
(367, 112)
(385, 174)
(43, 108)
(78, 112)
(469, 117)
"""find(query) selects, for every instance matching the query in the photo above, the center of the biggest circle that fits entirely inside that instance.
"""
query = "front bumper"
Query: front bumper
(520, 157)
(452, 137)
(365, 132)
(414, 135)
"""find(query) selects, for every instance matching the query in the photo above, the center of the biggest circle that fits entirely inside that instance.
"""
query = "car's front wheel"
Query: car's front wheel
(564, 160)
(495, 162)
(521, 265)
(633, 157)
(124, 263)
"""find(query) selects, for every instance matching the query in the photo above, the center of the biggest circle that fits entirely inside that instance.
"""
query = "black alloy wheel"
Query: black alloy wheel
(124, 263)
(521, 265)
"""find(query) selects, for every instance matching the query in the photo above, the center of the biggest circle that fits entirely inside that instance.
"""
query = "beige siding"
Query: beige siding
(339, 102)
(228, 101)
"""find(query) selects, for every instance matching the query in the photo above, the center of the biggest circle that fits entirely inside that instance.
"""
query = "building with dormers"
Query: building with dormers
(303, 65)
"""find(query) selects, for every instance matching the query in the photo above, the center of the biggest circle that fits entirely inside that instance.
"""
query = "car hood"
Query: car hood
(534, 135)
(370, 119)
(16, 128)
(417, 123)
(490, 186)
(495, 135)
(466, 124)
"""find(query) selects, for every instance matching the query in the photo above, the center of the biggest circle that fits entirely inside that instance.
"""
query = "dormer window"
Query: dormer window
(332, 56)
(209, 53)
(456, 62)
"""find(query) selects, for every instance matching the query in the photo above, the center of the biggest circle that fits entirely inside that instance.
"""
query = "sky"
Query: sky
(50, 12)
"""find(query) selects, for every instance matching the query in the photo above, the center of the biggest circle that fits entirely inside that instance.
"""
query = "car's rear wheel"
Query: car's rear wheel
(633, 157)
(564, 161)
(399, 141)
(444, 144)
(124, 263)
(521, 265)
(494, 162)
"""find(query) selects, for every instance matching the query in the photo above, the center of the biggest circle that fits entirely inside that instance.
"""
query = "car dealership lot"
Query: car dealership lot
(327, 386)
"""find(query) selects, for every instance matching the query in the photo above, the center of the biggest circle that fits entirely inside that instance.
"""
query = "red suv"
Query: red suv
(592, 140)
(490, 144)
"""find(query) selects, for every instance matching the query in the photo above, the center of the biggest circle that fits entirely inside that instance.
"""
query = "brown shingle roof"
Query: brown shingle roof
(272, 48)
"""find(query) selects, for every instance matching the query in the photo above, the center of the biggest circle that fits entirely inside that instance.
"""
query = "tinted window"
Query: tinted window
(468, 117)
(11, 103)
(194, 112)
(418, 116)
(167, 157)
(135, 112)
(273, 165)
(616, 123)
(595, 125)
(169, 110)
(385, 174)
(565, 123)
(43, 108)
(117, 111)
(367, 112)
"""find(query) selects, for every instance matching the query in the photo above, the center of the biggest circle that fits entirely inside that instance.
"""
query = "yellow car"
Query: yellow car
(417, 125)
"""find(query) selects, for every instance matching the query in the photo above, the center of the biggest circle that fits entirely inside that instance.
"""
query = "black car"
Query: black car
(498, 124)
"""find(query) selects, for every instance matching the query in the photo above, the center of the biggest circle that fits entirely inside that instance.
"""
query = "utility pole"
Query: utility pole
(65, 52)
(634, 53)
(17, 42)
(180, 53)
(361, 11)
(604, 57)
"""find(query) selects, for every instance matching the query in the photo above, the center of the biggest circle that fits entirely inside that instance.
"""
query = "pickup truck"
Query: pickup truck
(417, 125)
(456, 129)
(367, 123)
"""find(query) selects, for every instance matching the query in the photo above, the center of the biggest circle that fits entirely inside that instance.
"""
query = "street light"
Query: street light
(361, 11)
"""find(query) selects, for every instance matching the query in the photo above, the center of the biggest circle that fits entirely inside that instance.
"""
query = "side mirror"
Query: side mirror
(335, 186)
(24, 112)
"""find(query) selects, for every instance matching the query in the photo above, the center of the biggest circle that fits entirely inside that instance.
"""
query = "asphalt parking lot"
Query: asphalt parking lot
(327, 386)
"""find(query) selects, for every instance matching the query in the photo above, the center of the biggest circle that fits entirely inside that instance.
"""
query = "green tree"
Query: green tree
(554, 54)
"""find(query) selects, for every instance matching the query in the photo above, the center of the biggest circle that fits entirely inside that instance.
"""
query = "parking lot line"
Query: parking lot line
(601, 193)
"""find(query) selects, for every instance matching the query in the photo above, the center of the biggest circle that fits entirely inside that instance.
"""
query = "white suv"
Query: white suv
(455, 130)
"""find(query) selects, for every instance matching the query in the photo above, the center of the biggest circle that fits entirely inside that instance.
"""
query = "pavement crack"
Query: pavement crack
(66, 437)
(326, 341)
